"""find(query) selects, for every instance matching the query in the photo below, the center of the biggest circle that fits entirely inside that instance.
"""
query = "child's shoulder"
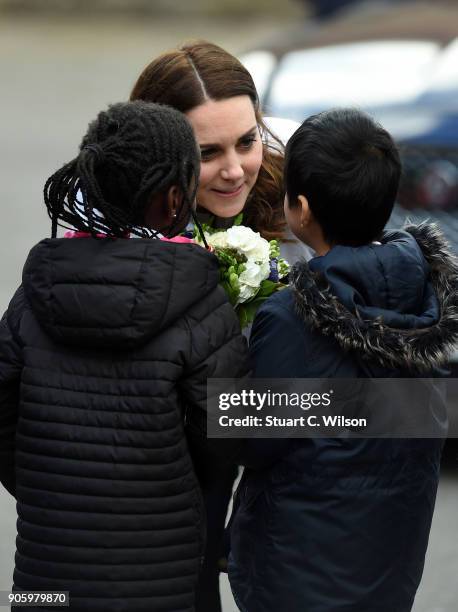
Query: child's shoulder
(280, 302)
(279, 313)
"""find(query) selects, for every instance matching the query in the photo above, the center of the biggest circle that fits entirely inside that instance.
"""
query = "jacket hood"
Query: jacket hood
(114, 292)
(394, 302)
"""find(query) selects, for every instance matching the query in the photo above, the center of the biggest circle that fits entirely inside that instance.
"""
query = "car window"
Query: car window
(260, 65)
(444, 80)
(366, 74)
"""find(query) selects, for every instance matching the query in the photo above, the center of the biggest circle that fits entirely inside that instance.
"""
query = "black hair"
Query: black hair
(348, 168)
(131, 151)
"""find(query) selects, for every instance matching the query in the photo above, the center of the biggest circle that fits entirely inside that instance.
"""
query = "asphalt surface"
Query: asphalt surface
(55, 76)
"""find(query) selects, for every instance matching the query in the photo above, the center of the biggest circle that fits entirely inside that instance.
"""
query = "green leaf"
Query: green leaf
(231, 293)
(274, 249)
(246, 312)
(238, 219)
(234, 281)
(267, 287)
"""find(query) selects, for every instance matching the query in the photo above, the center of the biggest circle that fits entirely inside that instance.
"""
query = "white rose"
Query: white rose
(240, 237)
(246, 292)
(217, 240)
(250, 243)
(254, 274)
(260, 251)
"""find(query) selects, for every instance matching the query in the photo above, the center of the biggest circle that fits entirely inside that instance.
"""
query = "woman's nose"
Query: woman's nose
(232, 169)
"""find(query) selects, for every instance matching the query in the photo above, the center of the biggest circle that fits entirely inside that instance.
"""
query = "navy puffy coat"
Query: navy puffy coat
(342, 525)
(104, 354)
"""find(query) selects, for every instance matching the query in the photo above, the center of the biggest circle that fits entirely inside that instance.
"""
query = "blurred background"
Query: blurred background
(61, 61)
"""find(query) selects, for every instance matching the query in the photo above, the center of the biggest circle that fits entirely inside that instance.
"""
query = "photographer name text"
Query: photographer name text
(311, 420)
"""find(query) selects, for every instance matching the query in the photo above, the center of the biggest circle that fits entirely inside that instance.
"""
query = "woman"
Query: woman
(240, 172)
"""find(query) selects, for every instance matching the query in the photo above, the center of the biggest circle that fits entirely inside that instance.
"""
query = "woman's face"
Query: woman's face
(231, 153)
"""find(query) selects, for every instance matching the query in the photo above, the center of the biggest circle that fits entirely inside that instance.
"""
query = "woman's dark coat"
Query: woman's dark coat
(104, 352)
(342, 525)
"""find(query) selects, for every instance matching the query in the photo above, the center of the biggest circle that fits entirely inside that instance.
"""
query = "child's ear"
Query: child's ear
(306, 213)
(174, 200)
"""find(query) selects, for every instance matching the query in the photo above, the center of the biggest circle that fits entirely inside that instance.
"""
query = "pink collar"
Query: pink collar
(78, 234)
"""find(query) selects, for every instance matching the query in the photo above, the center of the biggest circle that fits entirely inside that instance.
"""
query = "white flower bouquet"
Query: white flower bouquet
(251, 268)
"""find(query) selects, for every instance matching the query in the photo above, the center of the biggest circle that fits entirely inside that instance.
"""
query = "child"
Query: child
(104, 354)
(342, 524)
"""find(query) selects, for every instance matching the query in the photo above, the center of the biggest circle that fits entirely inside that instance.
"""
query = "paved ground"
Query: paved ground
(55, 76)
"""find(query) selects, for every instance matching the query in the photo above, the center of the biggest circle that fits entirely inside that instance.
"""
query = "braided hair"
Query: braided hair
(130, 152)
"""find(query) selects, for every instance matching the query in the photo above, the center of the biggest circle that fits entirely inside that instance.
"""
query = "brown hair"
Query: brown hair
(197, 71)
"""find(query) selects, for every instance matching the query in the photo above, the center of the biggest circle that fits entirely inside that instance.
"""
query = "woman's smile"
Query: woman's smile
(228, 193)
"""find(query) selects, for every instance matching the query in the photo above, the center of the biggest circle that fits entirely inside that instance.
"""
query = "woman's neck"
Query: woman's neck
(212, 220)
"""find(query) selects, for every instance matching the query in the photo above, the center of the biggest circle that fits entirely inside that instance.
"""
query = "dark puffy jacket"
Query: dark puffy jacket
(342, 525)
(104, 355)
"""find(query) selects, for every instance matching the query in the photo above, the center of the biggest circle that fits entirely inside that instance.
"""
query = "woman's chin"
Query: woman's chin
(224, 210)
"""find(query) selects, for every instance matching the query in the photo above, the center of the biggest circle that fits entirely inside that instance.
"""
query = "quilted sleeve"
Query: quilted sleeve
(217, 349)
(10, 373)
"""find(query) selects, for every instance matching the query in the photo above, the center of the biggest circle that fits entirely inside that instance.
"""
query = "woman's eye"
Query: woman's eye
(206, 154)
(247, 143)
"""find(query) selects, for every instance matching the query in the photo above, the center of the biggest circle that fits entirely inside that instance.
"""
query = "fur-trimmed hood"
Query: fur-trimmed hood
(394, 302)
